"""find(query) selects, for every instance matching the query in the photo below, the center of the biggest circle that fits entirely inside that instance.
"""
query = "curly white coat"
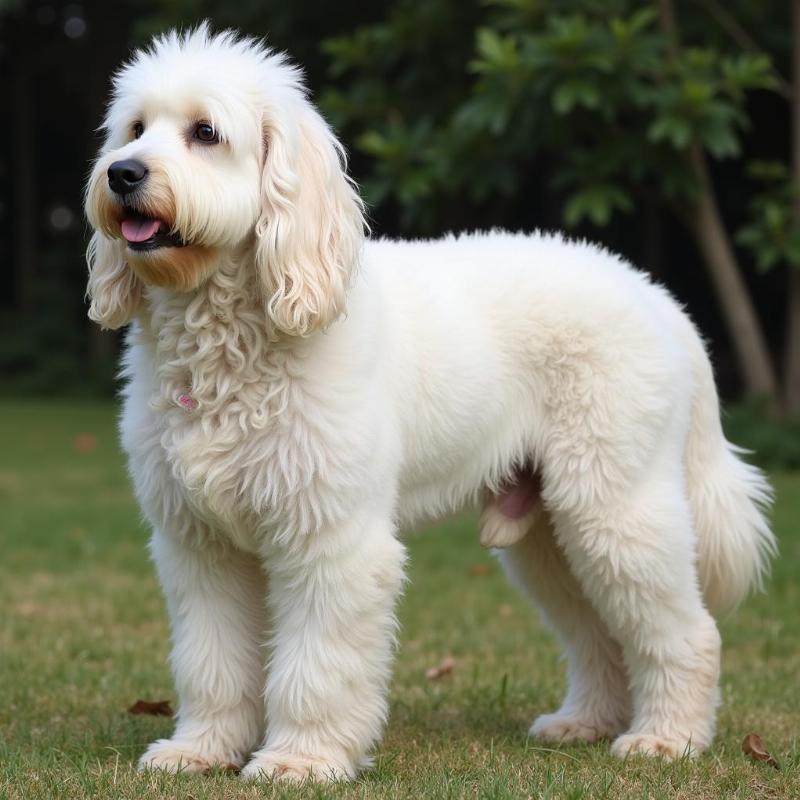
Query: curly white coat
(295, 395)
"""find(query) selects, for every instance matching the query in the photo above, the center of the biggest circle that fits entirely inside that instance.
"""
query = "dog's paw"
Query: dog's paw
(279, 766)
(646, 744)
(565, 728)
(173, 755)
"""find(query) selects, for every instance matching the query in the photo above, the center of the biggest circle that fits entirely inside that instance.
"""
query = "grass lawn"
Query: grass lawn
(83, 634)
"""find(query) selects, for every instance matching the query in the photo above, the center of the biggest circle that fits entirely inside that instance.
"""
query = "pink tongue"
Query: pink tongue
(139, 230)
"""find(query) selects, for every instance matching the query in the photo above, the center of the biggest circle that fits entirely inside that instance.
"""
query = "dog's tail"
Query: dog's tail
(728, 499)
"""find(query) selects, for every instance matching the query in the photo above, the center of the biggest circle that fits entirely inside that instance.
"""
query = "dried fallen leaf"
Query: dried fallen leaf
(156, 708)
(753, 747)
(479, 570)
(445, 668)
(85, 442)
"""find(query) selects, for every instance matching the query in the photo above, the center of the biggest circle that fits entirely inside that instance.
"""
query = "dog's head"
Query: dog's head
(213, 151)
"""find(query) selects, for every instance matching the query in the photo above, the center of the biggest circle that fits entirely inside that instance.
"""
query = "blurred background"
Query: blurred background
(668, 130)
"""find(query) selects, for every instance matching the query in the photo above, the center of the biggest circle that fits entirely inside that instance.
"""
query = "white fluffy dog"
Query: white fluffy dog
(296, 394)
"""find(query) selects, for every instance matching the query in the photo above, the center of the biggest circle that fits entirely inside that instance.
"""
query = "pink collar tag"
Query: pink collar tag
(187, 401)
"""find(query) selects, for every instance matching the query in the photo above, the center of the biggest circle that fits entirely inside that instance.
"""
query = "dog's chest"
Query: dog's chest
(245, 435)
(220, 465)
(237, 445)
(225, 397)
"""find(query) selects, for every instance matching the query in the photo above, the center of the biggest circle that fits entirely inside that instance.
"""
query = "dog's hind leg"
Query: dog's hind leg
(597, 702)
(634, 557)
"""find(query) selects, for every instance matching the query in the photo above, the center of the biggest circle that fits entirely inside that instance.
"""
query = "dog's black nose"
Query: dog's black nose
(125, 176)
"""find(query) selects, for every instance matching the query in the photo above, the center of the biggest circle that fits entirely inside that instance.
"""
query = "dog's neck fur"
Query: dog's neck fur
(210, 343)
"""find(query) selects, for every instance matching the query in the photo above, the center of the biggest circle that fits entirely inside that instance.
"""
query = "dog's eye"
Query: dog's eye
(203, 132)
(138, 129)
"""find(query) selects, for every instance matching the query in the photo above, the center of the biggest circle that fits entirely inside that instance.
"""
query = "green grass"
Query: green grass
(83, 634)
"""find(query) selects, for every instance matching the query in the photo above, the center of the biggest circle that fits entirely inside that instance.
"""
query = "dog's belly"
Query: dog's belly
(453, 455)
(515, 498)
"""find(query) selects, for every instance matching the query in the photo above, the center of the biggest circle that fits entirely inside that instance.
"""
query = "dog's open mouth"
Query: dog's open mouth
(148, 233)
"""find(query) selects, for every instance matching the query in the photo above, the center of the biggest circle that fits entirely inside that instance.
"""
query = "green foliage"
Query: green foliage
(596, 203)
(459, 114)
(773, 232)
(594, 89)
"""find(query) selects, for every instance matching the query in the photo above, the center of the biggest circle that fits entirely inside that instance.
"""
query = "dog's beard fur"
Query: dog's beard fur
(181, 268)
(168, 267)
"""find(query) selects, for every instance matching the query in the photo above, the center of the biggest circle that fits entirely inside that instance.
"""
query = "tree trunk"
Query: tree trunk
(791, 396)
(737, 307)
(708, 228)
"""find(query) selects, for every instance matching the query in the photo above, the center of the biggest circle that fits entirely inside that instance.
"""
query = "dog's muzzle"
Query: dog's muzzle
(141, 232)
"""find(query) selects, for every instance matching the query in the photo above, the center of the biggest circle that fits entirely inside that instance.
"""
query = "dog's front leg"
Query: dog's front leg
(215, 599)
(331, 598)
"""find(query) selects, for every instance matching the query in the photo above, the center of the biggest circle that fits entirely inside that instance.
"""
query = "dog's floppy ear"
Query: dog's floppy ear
(114, 290)
(311, 227)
